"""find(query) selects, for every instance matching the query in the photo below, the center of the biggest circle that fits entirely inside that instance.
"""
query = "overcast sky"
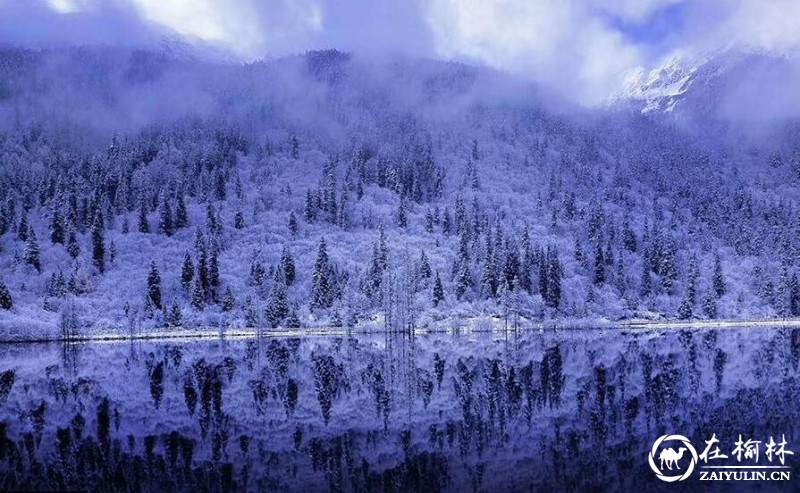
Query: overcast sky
(584, 47)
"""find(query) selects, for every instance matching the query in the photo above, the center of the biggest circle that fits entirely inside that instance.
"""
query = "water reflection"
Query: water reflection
(566, 411)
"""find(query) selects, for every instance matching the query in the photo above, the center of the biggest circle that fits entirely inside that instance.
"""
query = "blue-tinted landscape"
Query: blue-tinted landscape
(399, 246)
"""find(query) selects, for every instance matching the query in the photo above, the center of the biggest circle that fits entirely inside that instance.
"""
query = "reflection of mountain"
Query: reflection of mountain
(435, 413)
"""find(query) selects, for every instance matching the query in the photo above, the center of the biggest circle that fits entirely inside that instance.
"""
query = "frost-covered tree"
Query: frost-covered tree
(322, 288)
(31, 254)
(73, 247)
(165, 221)
(154, 286)
(144, 225)
(238, 220)
(228, 300)
(6, 302)
(57, 233)
(438, 291)
(98, 242)
(719, 278)
(187, 271)
(181, 213)
(287, 267)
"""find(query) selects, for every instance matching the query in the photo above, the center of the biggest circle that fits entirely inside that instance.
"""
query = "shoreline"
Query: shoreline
(192, 334)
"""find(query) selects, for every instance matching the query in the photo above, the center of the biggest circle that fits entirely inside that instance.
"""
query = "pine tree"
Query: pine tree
(646, 284)
(57, 233)
(292, 224)
(710, 306)
(463, 279)
(400, 217)
(322, 289)
(278, 306)
(32, 251)
(628, 237)
(213, 272)
(685, 309)
(719, 278)
(198, 294)
(175, 316)
(98, 242)
(783, 301)
(154, 286)
(6, 302)
(181, 214)
(438, 291)
(23, 228)
(187, 272)
(489, 282)
(287, 266)
(619, 279)
(555, 273)
(165, 221)
(599, 276)
(144, 226)
(228, 300)
(425, 271)
(73, 248)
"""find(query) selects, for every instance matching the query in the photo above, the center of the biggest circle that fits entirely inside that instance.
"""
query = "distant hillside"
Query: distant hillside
(142, 190)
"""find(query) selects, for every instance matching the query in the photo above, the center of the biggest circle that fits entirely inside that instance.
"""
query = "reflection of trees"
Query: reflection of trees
(576, 430)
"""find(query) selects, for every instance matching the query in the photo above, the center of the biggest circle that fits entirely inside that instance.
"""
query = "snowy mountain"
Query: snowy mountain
(711, 85)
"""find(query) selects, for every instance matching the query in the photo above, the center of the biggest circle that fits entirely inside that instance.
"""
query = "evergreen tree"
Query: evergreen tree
(322, 289)
(198, 294)
(628, 237)
(213, 272)
(719, 278)
(98, 242)
(599, 276)
(187, 272)
(6, 302)
(555, 273)
(144, 225)
(783, 301)
(619, 279)
(154, 286)
(23, 228)
(438, 291)
(112, 252)
(32, 251)
(175, 316)
(685, 309)
(228, 300)
(287, 267)
(710, 306)
(646, 285)
(425, 271)
(181, 214)
(73, 248)
(463, 279)
(401, 217)
(278, 306)
(165, 221)
(57, 234)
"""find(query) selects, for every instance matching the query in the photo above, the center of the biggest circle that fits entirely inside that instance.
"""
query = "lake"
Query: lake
(566, 410)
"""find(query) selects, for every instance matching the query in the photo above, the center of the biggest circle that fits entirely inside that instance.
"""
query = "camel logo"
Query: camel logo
(673, 459)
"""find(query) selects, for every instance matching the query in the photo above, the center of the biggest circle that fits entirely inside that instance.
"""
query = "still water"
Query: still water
(540, 411)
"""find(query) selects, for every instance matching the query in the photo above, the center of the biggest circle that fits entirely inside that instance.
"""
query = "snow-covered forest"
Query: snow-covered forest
(146, 189)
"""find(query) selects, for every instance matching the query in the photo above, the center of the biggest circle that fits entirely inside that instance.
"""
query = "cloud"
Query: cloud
(582, 47)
